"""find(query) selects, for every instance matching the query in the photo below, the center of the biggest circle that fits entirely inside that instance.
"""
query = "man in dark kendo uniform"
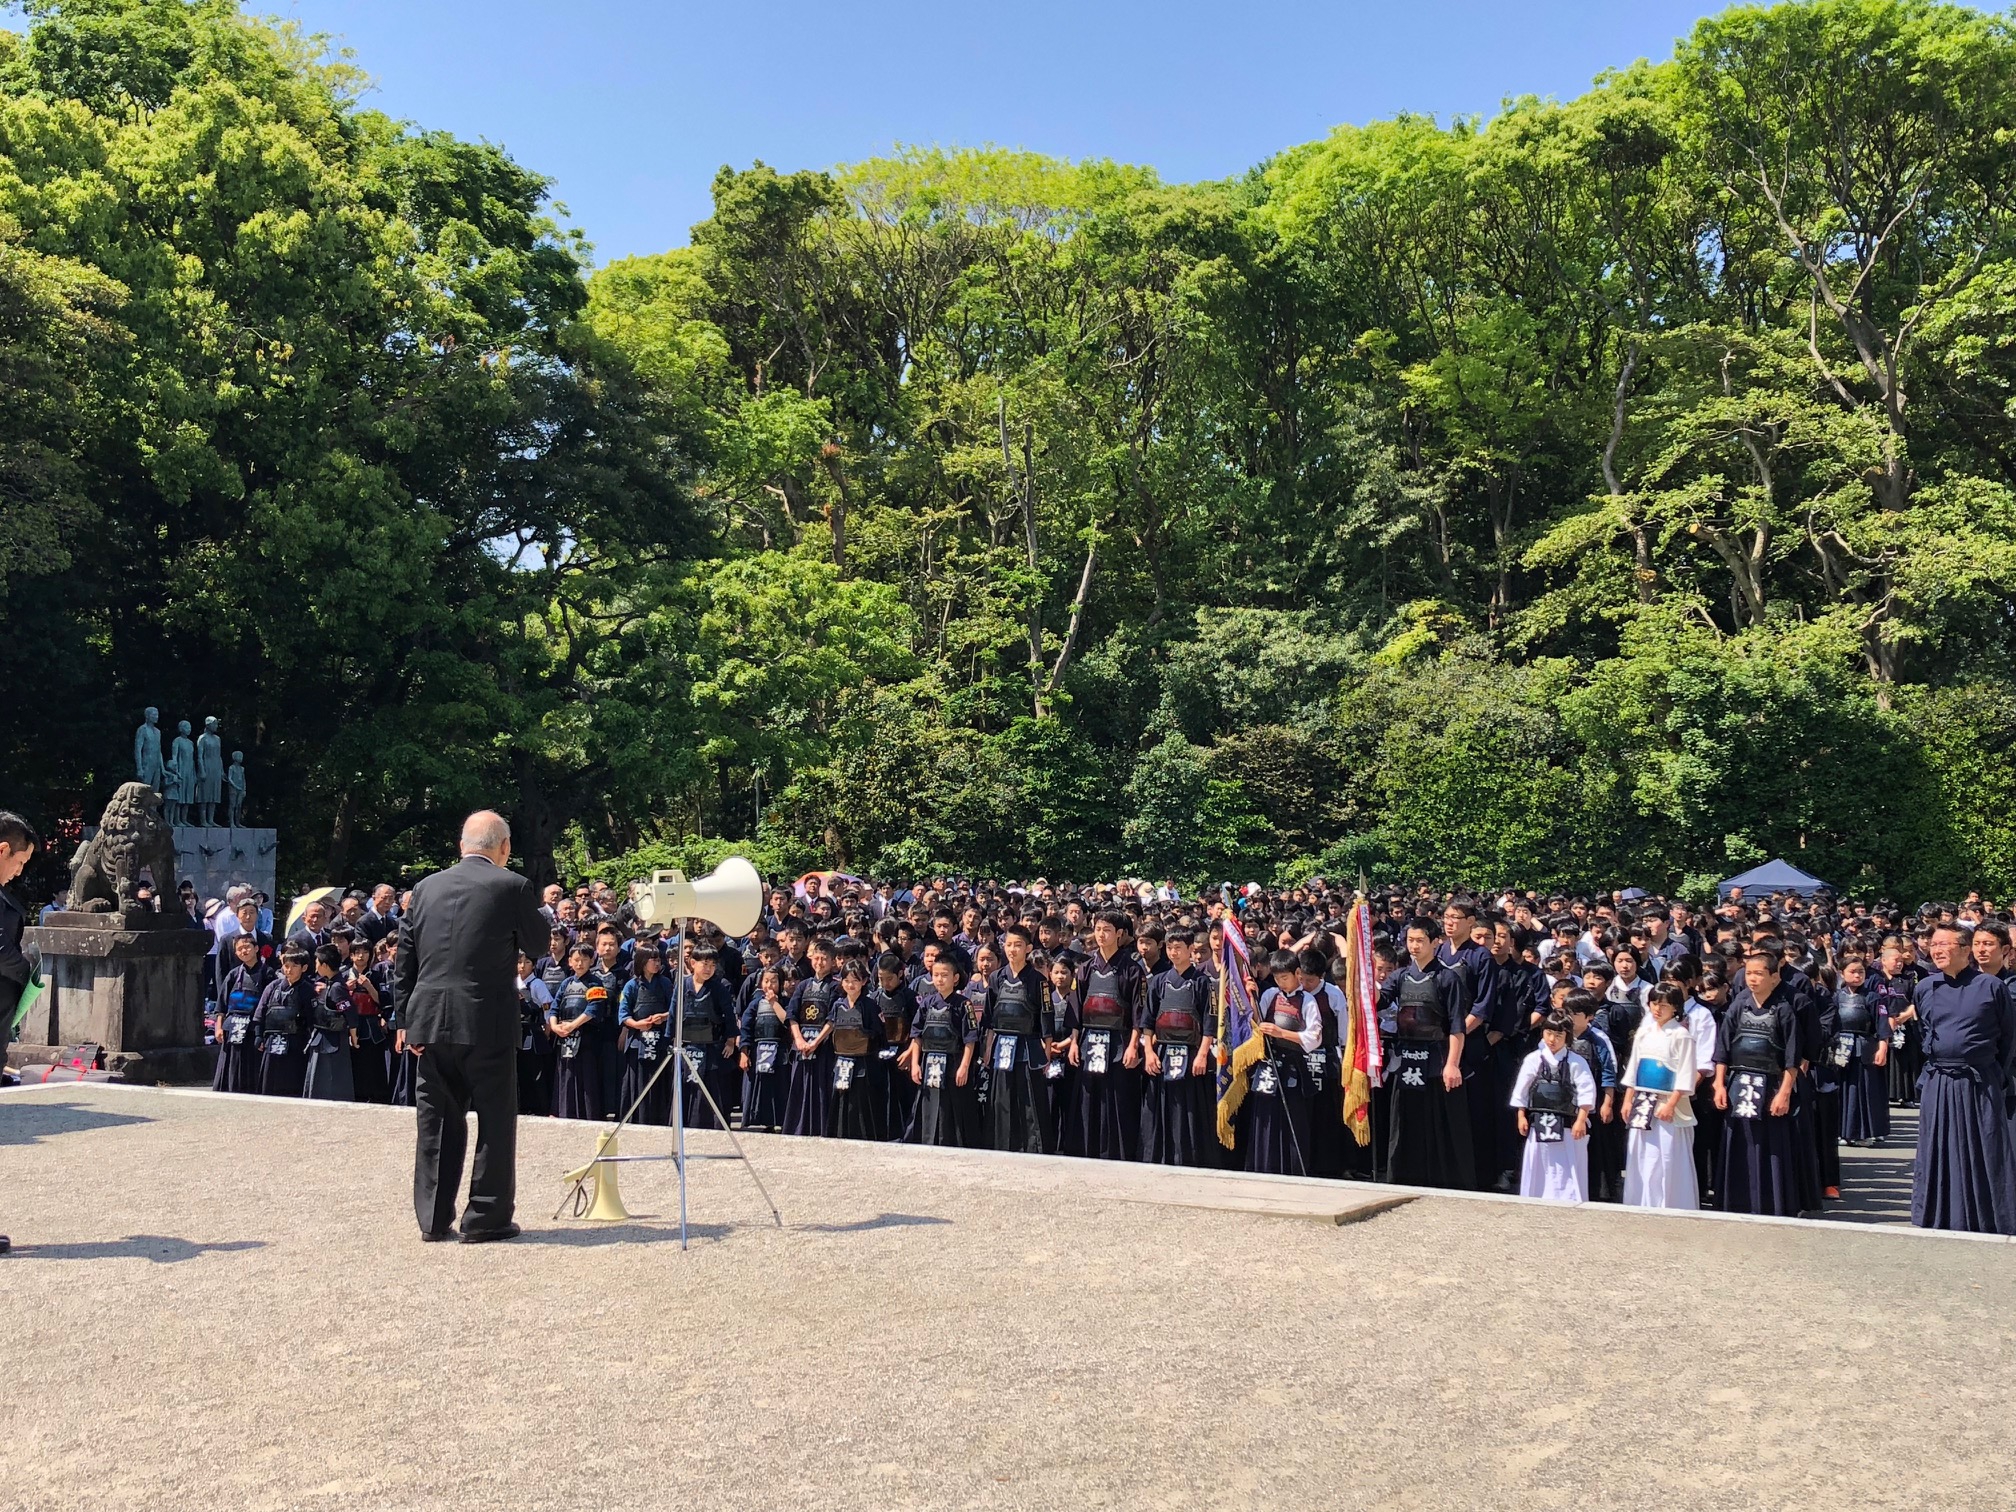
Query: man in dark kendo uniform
(1483, 1037)
(1964, 1176)
(1430, 1143)
(1110, 989)
(1179, 1116)
(854, 1111)
(1019, 1115)
(1757, 1057)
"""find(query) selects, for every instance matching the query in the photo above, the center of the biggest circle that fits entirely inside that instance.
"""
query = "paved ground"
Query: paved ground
(222, 1303)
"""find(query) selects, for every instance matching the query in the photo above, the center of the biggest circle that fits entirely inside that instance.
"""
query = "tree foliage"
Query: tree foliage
(1616, 487)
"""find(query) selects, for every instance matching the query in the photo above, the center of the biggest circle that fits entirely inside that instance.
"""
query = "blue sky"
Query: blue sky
(631, 106)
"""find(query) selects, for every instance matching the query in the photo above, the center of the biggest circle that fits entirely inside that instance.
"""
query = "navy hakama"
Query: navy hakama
(1179, 1113)
(577, 1078)
(1964, 1176)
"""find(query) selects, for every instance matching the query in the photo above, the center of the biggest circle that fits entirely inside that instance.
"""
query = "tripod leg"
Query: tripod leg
(740, 1154)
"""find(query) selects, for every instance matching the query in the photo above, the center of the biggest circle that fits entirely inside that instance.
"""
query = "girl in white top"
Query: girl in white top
(1556, 1163)
(1659, 1160)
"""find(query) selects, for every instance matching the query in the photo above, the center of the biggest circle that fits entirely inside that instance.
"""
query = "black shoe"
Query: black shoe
(5, 1244)
(429, 1236)
(486, 1235)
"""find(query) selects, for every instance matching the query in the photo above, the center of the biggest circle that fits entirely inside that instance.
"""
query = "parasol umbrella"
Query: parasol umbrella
(326, 896)
(830, 882)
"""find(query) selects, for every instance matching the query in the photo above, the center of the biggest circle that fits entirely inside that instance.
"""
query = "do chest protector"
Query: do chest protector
(1014, 1008)
(1103, 1009)
(1759, 1042)
(1422, 1015)
(1179, 1016)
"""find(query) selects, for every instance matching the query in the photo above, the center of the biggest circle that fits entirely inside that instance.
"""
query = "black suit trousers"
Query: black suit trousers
(453, 1081)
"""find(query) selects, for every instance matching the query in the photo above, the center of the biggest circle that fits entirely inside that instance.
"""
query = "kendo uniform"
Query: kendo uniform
(535, 1051)
(367, 1060)
(401, 1065)
(1806, 1130)
(710, 1025)
(1520, 993)
(1179, 1108)
(1109, 994)
(1481, 1077)
(1965, 1174)
(577, 1059)
(897, 1010)
(854, 1107)
(1907, 1039)
(285, 1015)
(328, 1076)
(1706, 1028)
(943, 1030)
(1553, 1089)
(1327, 1135)
(615, 978)
(1060, 1025)
(1018, 1114)
(1606, 1140)
(237, 1044)
(1757, 1044)
(645, 1051)
(1826, 1101)
(1430, 1142)
(767, 1043)
(809, 1093)
(1274, 1121)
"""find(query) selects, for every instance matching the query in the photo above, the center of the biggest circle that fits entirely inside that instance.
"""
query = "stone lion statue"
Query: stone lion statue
(132, 837)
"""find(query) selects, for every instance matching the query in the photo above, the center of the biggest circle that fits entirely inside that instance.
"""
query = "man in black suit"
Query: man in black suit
(457, 980)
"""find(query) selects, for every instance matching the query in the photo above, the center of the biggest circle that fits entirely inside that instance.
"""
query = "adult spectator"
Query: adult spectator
(457, 975)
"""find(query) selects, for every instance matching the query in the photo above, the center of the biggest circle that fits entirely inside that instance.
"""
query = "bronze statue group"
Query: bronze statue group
(1613, 1048)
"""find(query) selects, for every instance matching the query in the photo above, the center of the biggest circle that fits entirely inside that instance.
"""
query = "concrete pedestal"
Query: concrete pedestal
(132, 983)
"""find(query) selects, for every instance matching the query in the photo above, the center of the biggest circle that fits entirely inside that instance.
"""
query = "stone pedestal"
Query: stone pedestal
(132, 983)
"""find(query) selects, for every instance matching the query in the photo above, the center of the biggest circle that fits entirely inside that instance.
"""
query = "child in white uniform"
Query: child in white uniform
(1554, 1094)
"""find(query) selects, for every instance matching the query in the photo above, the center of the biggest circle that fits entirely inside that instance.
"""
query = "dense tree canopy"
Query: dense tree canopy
(1621, 487)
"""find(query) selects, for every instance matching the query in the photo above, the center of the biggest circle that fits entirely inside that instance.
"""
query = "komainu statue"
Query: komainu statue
(132, 837)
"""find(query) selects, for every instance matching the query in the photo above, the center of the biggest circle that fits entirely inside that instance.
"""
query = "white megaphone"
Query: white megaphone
(731, 896)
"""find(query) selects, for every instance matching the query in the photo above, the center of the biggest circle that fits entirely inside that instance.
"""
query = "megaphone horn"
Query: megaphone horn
(731, 896)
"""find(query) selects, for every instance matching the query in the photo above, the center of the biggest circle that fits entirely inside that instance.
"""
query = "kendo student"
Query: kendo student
(1553, 1096)
(1179, 1113)
(1018, 1112)
(1756, 1062)
(1274, 1129)
(853, 1109)
(643, 1012)
(1484, 1033)
(1523, 998)
(285, 1014)
(535, 1045)
(238, 1000)
(615, 972)
(579, 1007)
(896, 1004)
(810, 1091)
(1108, 1049)
(367, 1057)
(1328, 1136)
(1430, 1142)
(940, 1059)
(766, 1068)
(1964, 1176)
(710, 1040)
(1060, 1038)
(333, 1032)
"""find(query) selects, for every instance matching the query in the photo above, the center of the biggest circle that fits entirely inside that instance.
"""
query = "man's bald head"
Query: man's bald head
(487, 834)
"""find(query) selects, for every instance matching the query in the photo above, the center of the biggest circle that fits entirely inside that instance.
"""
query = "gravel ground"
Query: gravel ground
(223, 1303)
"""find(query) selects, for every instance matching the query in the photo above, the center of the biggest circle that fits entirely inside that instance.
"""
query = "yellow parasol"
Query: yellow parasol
(328, 897)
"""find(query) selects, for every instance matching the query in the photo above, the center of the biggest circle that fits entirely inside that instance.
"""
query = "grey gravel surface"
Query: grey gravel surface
(223, 1303)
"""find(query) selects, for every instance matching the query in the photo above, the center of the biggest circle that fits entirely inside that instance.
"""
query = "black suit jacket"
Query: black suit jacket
(456, 971)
